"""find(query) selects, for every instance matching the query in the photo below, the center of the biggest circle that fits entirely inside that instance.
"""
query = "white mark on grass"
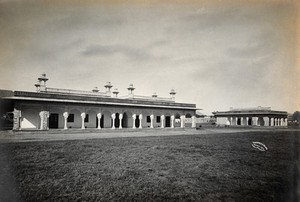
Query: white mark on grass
(260, 146)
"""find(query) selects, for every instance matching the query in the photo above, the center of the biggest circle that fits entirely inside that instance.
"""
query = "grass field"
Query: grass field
(215, 167)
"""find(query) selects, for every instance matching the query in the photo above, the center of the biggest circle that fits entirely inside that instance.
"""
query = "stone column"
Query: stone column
(133, 120)
(17, 117)
(275, 122)
(271, 121)
(44, 115)
(113, 117)
(172, 121)
(247, 121)
(162, 121)
(120, 118)
(99, 115)
(66, 115)
(82, 120)
(236, 120)
(141, 118)
(284, 122)
(231, 120)
(193, 122)
(242, 121)
(151, 121)
(182, 121)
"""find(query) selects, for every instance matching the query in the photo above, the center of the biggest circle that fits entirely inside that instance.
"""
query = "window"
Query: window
(71, 118)
(86, 119)
(148, 119)
(157, 119)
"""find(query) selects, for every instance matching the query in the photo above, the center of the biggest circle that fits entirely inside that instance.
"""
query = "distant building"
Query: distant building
(259, 116)
(52, 108)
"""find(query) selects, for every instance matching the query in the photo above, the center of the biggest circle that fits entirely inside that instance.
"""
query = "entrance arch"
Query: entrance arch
(137, 121)
(238, 122)
(125, 120)
(117, 120)
(107, 120)
(250, 122)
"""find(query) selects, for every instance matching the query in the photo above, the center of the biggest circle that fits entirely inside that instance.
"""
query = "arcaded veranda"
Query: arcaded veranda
(260, 116)
(54, 108)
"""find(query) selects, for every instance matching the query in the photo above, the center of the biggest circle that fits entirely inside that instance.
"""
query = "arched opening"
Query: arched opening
(238, 121)
(188, 115)
(117, 121)
(137, 121)
(177, 120)
(125, 121)
(188, 120)
(250, 122)
(53, 121)
(107, 120)
(168, 121)
(260, 121)
(74, 119)
(101, 121)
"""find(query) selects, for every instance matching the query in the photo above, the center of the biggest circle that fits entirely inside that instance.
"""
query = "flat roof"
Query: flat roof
(86, 99)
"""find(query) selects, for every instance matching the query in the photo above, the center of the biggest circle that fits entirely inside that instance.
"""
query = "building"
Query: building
(259, 116)
(52, 108)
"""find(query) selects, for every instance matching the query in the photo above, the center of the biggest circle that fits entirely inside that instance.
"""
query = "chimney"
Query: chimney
(42, 82)
(108, 86)
(172, 94)
(130, 90)
(95, 90)
(154, 95)
(116, 92)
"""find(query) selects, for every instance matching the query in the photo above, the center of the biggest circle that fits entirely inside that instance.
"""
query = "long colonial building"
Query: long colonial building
(259, 116)
(52, 108)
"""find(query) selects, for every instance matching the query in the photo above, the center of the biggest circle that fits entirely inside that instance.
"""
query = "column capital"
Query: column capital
(66, 115)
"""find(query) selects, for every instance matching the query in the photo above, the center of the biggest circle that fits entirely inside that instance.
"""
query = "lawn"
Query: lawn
(215, 167)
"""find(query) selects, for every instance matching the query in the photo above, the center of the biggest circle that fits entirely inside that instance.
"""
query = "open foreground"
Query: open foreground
(200, 166)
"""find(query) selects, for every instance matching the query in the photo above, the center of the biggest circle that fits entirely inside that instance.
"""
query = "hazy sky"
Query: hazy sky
(216, 55)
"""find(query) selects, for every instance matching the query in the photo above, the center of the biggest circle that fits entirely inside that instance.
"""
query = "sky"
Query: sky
(218, 54)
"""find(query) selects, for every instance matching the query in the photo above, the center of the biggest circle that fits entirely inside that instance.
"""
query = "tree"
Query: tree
(296, 116)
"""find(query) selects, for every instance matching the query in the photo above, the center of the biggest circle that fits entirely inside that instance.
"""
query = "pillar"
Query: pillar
(17, 116)
(133, 120)
(236, 120)
(99, 115)
(247, 121)
(82, 120)
(172, 121)
(193, 122)
(267, 121)
(65, 115)
(151, 120)
(113, 117)
(231, 120)
(284, 122)
(162, 121)
(44, 115)
(120, 118)
(242, 121)
(182, 120)
(271, 121)
(140, 117)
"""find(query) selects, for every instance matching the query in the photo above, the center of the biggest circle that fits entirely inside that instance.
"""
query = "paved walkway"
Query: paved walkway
(77, 134)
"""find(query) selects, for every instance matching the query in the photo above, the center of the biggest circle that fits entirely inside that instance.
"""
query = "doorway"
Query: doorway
(53, 121)
(168, 121)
